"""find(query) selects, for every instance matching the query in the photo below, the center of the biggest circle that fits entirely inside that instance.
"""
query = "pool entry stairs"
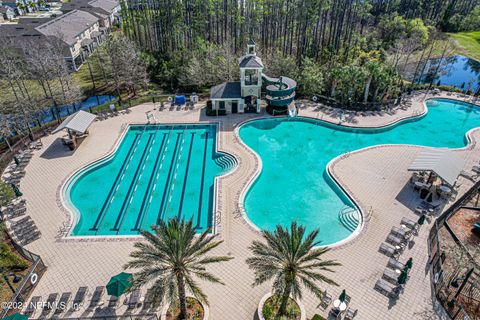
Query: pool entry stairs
(226, 162)
(349, 217)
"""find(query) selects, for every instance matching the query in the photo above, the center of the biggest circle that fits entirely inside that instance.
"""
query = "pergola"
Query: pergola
(443, 162)
(77, 122)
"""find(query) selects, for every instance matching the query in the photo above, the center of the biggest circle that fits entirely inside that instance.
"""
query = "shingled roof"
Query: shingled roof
(226, 90)
(250, 61)
(68, 26)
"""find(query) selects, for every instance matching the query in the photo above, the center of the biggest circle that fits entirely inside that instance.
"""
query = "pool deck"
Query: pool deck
(383, 191)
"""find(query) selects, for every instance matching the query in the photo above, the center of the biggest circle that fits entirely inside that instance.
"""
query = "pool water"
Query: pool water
(293, 184)
(157, 172)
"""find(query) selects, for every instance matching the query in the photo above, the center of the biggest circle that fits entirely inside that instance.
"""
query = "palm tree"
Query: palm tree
(290, 259)
(170, 257)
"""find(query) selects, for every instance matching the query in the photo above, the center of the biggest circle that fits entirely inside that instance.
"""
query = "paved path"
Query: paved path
(72, 264)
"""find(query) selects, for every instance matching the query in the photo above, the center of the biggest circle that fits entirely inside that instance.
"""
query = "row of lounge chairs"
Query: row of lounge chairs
(23, 230)
(396, 242)
(16, 208)
(20, 227)
(176, 107)
(15, 170)
(132, 301)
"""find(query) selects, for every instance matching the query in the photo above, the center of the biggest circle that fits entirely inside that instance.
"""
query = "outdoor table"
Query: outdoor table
(398, 271)
(403, 226)
(340, 305)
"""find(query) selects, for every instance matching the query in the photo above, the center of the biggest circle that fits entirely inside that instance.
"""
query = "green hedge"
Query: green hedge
(9, 260)
(213, 113)
(6, 194)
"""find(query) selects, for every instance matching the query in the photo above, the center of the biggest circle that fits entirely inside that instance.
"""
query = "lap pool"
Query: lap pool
(293, 183)
(157, 171)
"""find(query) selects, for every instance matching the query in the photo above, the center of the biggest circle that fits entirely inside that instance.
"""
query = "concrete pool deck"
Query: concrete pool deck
(383, 191)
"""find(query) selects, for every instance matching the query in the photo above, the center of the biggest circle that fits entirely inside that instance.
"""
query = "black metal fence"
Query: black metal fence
(146, 316)
(34, 275)
(442, 279)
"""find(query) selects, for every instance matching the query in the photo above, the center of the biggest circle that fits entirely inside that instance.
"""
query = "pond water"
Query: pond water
(457, 71)
(51, 113)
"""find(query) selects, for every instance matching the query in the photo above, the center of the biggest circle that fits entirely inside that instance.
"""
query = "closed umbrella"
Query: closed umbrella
(119, 283)
(343, 295)
(409, 263)
(421, 220)
(16, 316)
(17, 162)
(16, 190)
(402, 278)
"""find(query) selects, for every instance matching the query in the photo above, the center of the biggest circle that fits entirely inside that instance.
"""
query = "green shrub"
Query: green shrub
(267, 311)
(9, 260)
(318, 317)
(6, 194)
(211, 113)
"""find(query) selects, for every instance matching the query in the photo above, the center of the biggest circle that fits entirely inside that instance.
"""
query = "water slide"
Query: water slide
(280, 91)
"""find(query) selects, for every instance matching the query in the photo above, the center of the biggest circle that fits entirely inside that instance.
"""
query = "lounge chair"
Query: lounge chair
(79, 297)
(327, 299)
(112, 302)
(63, 302)
(385, 288)
(395, 264)
(50, 303)
(96, 296)
(399, 232)
(32, 305)
(388, 250)
(395, 241)
(409, 223)
(350, 314)
(390, 275)
(133, 299)
(148, 303)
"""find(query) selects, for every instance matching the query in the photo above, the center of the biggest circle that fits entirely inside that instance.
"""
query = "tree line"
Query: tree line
(350, 50)
(34, 76)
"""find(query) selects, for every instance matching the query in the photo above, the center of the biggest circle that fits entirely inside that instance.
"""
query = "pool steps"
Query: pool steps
(349, 217)
(226, 162)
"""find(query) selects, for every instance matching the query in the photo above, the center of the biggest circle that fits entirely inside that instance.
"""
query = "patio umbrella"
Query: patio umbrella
(119, 283)
(16, 190)
(402, 278)
(409, 263)
(16, 316)
(17, 162)
(421, 220)
(343, 295)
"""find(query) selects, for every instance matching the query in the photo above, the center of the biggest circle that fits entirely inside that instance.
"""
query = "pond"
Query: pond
(51, 113)
(457, 71)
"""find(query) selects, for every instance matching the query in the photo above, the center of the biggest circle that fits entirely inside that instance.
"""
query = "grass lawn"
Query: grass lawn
(468, 44)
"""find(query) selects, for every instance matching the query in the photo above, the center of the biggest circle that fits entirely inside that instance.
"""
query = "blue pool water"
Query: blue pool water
(293, 184)
(157, 171)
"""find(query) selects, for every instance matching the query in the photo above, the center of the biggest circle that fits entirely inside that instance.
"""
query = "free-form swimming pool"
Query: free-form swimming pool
(293, 183)
(157, 172)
